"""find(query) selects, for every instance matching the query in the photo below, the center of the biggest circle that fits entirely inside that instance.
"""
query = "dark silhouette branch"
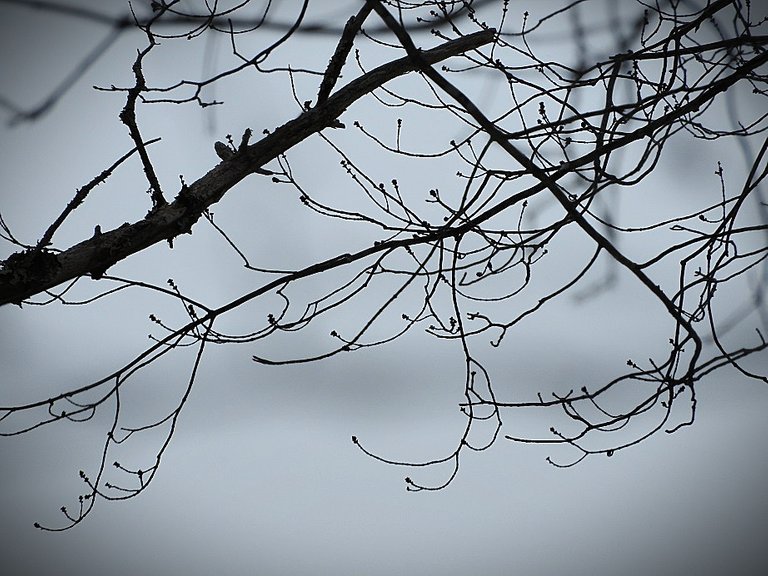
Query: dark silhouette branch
(23, 276)
(526, 218)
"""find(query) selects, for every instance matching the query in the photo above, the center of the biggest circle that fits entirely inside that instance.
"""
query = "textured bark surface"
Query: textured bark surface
(31, 272)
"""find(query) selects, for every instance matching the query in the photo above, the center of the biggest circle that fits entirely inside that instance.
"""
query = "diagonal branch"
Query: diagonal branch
(550, 183)
(27, 273)
(339, 58)
(81, 195)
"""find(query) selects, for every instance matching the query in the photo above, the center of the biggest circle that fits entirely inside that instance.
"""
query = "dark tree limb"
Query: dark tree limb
(25, 274)
(81, 195)
(333, 72)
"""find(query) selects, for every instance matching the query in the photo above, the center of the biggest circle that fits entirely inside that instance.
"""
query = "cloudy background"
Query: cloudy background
(261, 476)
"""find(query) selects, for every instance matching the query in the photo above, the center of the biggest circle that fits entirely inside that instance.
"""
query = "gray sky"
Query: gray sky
(261, 476)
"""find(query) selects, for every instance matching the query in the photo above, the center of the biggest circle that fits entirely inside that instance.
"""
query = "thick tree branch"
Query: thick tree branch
(27, 273)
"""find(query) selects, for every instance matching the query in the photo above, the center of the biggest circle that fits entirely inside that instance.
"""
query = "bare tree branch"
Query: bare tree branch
(513, 165)
(24, 275)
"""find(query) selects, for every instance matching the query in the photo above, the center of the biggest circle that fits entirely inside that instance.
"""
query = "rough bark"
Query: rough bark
(36, 270)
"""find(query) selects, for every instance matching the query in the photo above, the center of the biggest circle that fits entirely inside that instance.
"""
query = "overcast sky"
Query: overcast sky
(261, 476)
